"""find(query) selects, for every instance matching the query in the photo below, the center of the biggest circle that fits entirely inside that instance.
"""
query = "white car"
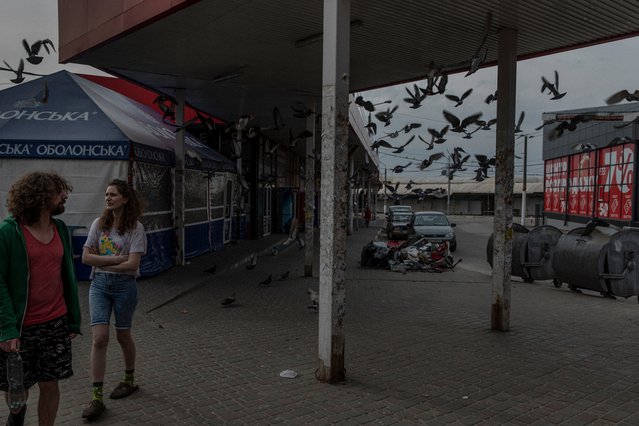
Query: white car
(434, 226)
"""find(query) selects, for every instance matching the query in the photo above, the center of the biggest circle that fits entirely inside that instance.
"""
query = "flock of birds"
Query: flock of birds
(251, 263)
(34, 57)
(458, 159)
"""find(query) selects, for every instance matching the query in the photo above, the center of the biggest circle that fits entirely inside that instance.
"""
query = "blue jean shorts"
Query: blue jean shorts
(117, 293)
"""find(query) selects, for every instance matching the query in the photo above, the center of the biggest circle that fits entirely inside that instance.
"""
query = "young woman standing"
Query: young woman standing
(114, 247)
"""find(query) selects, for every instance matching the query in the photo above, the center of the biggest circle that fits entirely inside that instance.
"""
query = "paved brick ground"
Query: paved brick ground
(418, 349)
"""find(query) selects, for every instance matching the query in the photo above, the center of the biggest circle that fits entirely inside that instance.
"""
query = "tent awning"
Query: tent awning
(65, 116)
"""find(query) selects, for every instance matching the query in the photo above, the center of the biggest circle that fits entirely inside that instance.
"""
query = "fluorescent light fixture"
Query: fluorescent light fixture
(314, 38)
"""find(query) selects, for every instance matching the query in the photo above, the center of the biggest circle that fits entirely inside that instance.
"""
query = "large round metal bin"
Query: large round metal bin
(579, 260)
(619, 263)
(520, 233)
(537, 253)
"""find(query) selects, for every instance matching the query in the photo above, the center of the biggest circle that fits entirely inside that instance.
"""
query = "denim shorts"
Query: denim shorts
(117, 293)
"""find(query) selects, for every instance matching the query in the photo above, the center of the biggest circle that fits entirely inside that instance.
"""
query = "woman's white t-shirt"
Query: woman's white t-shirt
(112, 243)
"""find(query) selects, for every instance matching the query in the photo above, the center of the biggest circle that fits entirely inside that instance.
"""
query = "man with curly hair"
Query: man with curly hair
(39, 303)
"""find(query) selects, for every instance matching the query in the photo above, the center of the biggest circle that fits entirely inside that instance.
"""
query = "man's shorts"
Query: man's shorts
(46, 353)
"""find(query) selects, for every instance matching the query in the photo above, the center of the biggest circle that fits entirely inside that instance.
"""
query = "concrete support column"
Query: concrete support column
(504, 179)
(178, 188)
(335, 85)
(309, 201)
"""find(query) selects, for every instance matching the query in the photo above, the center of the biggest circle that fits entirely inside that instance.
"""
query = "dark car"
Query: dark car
(397, 225)
(434, 226)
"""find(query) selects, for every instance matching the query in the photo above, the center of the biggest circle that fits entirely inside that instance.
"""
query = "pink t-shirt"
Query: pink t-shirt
(46, 292)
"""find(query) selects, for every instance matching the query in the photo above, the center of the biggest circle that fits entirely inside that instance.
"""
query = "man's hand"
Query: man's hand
(12, 345)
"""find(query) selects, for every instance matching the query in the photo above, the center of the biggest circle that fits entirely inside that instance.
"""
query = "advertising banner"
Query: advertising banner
(601, 179)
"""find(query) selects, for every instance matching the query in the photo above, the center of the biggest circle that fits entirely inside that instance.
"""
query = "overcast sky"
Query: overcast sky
(588, 76)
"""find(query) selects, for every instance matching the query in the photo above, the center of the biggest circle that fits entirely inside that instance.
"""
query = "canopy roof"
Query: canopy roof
(65, 116)
(247, 56)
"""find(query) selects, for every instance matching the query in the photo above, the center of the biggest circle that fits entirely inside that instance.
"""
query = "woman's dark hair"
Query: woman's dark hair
(32, 193)
(132, 211)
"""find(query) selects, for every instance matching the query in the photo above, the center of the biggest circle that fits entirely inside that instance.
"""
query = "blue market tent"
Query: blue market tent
(90, 135)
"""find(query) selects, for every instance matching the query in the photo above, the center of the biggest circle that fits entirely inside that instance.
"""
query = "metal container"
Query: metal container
(537, 253)
(520, 234)
(619, 263)
(579, 260)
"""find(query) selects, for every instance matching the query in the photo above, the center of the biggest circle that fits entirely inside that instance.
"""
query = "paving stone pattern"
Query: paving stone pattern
(419, 349)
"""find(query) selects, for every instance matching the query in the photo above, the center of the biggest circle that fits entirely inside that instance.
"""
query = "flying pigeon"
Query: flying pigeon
(386, 116)
(34, 49)
(569, 125)
(469, 135)
(34, 102)
(429, 145)
(399, 169)
(485, 125)
(382, 143)
(480, 55)
(553, 88)
(460, 126)
(18, 72)
(371, 126)
(368, 105)
(433, 74)
(407, 128)
(228, 301)
(166, 104)
(401, 148)
(519, 122)
(415, 98)
(621, 95)
(391, 188)
(629, 123)
(459, 99)
(479, 175)
(427, 162)
(477, 59)
(438, 136)
(491, 98)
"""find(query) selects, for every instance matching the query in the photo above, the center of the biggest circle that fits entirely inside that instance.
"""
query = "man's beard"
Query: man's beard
(59, 209)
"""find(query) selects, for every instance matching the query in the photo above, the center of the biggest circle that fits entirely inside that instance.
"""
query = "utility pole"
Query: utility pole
(385, 189)
(448, 191)
(523, 187)
(524, 206)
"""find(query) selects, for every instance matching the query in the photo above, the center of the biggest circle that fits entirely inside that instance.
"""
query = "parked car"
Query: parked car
(435, 226)
(397, 224)
(398, 208)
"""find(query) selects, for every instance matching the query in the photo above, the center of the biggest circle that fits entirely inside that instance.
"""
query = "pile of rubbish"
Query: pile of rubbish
(417, 254)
